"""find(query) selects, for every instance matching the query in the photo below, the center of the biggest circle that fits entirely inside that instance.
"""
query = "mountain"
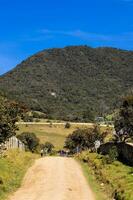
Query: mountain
(71, 82)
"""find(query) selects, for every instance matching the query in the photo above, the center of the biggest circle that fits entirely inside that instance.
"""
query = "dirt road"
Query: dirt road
(62, 123)
(54, 178)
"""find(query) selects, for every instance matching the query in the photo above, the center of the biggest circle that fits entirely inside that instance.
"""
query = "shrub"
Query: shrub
(28, 118)
(37, 120)
(67, 125)
(30, 140)
(82, 139)
(111, 157)
(113, 153)
(48, 147)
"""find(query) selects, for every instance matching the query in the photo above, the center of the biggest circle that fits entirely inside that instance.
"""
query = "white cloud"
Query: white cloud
(89, 36)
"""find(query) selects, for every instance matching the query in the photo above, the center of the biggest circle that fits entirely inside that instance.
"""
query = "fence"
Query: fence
(14, 143)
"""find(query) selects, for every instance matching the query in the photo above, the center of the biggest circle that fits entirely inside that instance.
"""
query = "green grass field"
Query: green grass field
(12, 170)
(115, 177)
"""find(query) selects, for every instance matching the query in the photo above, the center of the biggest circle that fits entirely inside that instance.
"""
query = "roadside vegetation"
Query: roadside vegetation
(96, 187)
(115, 179)
(12, 170)
(83, 139)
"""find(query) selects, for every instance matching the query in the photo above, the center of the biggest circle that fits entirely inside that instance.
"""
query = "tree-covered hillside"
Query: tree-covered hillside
(72, 82)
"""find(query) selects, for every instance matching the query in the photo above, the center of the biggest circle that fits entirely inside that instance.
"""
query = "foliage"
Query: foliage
(84, 138)
(88, 115)
(78, 75)
(30, 140)
(98, 192)
(9, 113)
(116, 177)
(67, 125)
(38, 115)
(28, 118)
(48, 147)
(112, 156)
(124, 121)
(12, 170)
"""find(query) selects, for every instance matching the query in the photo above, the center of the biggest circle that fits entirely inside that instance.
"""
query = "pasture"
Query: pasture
(54, 133)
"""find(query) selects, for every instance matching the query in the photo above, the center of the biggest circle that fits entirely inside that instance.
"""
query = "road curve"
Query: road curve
(54, 178)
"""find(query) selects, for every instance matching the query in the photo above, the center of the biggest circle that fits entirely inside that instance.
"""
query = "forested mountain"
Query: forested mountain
(71, 82)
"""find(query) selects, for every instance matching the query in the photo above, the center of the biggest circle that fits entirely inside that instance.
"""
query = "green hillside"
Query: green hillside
(65, 83)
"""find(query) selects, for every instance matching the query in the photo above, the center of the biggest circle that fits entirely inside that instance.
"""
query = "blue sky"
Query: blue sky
(28, 26)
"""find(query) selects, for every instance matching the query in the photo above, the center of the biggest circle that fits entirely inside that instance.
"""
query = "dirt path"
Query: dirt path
(61, 123)
(54, 178)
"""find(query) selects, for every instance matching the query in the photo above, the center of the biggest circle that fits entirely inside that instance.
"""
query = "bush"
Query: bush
(37, 120)
(113, 153)
(82, 139)
(38, 115)
(111, 157)
(30, 140)
(48, 147)
(28, 118)
(67, 125)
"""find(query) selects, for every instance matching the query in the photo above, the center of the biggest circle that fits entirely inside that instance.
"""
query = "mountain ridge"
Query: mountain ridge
(65, 82)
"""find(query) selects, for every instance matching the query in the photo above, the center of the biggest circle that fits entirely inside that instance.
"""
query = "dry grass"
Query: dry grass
(55, 133)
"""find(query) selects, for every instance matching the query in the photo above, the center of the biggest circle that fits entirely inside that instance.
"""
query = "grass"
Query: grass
(12, 170)
(92, 181)
(116, 177)
(56, 134)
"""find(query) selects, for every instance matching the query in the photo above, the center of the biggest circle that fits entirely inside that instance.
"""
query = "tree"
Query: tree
(88, 115)
(30, 140)
(82, 139)
(124, 120)
(10, 111)
(48, 147)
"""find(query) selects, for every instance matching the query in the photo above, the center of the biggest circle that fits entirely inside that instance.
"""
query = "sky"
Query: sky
(29, 26)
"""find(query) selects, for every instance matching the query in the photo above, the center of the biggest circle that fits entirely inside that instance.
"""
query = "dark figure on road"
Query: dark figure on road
(41, 152)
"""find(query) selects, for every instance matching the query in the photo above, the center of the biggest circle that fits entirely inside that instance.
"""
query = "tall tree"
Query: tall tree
(9, 113)
(124, 121)
(84, 138)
